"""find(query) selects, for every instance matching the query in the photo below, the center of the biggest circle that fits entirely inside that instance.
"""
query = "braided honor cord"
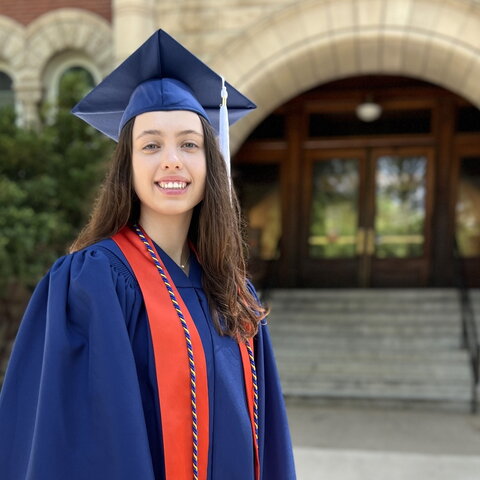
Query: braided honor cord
(189, 349)
(255, 390)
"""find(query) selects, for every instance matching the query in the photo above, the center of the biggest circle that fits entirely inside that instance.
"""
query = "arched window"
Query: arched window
(67, 77)
(6, 90)
(73, 84)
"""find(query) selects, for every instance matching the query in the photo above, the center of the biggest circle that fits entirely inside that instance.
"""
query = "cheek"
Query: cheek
(134, 174)
(202, 173)
(139, 175)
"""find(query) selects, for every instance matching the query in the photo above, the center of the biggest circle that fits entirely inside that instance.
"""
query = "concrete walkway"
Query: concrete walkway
(322, 464)
(367, 443)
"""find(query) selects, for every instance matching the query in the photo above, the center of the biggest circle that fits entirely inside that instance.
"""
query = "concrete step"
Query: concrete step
(361, 314)
(372, 306)
(371, 344)
(378, 391)
(389, 299)
(409, 356)
(453, 374)
(366, 294)
(353, 319)
(367, 342)
(366, 329)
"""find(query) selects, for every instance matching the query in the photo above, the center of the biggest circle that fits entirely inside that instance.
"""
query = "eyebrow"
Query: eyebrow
(160, 133)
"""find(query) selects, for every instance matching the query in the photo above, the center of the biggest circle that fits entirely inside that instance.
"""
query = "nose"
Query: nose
(171, 160)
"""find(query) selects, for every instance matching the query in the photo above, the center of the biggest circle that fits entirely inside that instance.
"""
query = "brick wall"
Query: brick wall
(25, 11)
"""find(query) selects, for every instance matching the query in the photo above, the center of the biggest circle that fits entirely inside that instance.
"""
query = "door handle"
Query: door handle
(370, 247)
(360, 241)
(365, 241)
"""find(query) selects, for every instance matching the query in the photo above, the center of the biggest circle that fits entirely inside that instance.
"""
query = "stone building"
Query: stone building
(361, 165)
(308, 65)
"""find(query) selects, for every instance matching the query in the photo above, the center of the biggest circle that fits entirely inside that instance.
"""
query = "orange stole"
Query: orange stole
(172, 367)
(171, 364)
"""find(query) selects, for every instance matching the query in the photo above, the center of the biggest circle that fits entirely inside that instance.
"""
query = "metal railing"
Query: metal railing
(469, 339)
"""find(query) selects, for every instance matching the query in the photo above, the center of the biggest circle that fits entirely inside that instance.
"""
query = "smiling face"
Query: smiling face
(168, 162)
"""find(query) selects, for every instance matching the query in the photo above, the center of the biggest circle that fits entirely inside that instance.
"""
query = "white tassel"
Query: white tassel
(224, 134)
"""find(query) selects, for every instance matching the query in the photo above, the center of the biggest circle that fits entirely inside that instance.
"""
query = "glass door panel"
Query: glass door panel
(400, 206)
(467, 222)
(259, 192)
(367, 220)
(334, 209)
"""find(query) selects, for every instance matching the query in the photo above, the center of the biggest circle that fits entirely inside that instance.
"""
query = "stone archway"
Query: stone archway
(69, 29)
(54, 33)
(313, 42)
(12, 44)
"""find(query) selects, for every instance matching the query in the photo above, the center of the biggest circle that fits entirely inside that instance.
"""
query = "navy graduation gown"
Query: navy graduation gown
(80, 399)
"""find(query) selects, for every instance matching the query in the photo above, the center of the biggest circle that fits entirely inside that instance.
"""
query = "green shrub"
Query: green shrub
(48, 179)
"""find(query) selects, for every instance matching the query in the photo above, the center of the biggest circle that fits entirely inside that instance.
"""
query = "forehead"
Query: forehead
(167, 121)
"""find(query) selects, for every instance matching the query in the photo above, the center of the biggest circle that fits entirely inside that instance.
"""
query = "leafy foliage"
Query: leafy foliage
(48, 177)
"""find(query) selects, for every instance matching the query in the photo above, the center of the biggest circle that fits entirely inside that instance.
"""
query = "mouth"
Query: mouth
(178, 186)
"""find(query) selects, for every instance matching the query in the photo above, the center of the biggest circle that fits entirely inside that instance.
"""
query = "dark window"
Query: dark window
(467, 211)
(6, 91)
(272, 128)
(468, 119)
(258, 188)
(390, 122)
(74, 83)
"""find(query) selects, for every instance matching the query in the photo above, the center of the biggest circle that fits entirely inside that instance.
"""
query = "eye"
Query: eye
(190, 145)
(150, 147)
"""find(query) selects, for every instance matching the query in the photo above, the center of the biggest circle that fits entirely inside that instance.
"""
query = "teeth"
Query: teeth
(173, 185)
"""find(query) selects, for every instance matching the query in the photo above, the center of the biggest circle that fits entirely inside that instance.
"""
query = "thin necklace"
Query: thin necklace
(184, 264)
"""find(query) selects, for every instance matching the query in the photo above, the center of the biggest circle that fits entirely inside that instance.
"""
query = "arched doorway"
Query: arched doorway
(333, 201)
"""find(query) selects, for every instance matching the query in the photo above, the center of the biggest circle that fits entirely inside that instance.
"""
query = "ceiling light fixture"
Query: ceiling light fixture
(368, 110)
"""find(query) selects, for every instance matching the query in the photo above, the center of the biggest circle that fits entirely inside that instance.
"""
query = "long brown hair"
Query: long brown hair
(215, 230)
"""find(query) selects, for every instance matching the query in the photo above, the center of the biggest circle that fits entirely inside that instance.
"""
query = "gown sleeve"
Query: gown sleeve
(275, 445)
(70, 407)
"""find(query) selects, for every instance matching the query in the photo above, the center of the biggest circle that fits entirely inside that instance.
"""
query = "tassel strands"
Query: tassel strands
(224, 130)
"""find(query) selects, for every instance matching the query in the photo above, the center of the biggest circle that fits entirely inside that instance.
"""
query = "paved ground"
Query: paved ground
(367, 443)
(314, 464)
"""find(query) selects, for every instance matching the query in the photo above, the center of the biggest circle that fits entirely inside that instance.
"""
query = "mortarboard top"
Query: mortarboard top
(160, 75)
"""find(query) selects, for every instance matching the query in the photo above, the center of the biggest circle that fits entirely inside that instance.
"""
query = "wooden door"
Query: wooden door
(397, 250)
(466, 200)
(332, 212)
(366, 217)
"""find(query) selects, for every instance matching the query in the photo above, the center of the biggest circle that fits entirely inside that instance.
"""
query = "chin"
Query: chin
(166, 212)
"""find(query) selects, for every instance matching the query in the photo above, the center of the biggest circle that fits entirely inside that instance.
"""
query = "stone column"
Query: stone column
(28, 94)
(133, 23)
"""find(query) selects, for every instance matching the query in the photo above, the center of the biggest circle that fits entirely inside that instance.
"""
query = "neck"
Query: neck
(169, 233)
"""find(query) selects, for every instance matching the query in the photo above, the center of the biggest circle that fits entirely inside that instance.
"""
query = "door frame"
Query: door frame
(364, 270)
(334, 272)
(467, 145)
(290, 141)
(416, 270)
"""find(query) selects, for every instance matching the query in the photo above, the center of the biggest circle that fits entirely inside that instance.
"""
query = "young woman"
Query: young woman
(144, 353)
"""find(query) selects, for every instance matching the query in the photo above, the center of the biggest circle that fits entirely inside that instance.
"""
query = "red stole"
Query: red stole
(172, 366)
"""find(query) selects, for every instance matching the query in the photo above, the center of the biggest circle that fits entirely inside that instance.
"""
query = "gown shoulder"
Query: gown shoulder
(70, 405)
(78, 399)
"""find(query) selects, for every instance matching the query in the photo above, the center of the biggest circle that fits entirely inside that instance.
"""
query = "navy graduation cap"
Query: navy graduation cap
(160, 75)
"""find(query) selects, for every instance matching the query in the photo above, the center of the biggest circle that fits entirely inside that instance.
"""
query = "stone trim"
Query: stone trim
(12, 45)
(28, 51)
(282, 48)
(69, 29)
(317, 41)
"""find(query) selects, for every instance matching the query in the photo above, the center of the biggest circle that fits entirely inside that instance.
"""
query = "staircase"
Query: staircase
(373, 345)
